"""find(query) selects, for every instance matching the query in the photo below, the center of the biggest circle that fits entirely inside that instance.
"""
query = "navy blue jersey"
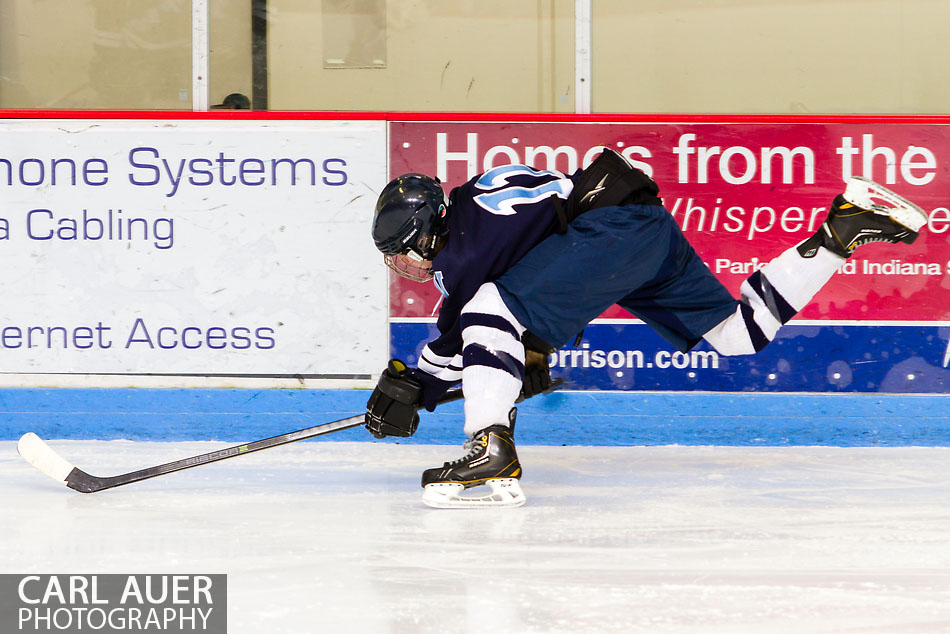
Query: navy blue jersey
(494, 220)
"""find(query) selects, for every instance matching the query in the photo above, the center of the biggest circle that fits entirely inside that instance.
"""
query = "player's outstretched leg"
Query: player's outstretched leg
(865, 212)
(490, 460)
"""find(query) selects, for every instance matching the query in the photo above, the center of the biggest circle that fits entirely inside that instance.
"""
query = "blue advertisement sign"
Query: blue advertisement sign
(802, 358)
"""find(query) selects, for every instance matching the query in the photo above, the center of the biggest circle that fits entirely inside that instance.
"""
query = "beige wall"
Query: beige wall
(230, 44)
(490, 55)
(835, 56)
(778, 56)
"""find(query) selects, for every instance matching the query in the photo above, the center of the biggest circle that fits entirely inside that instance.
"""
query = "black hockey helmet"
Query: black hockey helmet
(410, 216)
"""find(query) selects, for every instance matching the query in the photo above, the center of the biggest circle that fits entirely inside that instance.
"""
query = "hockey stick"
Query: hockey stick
(35, 451)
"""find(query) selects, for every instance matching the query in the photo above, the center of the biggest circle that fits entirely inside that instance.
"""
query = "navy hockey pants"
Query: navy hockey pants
(635, 256)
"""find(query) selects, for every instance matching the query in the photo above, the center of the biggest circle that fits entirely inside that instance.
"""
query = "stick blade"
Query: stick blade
(34, 450)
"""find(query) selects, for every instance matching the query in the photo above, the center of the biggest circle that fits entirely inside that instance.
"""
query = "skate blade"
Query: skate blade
(867, 194)
(505, 493)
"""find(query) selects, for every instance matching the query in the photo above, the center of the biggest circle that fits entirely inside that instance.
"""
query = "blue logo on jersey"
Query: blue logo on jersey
(501, 202)
(439, 284)
(498, 176)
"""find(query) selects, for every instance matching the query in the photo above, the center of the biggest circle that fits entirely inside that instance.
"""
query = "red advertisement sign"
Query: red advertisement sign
(742, 192)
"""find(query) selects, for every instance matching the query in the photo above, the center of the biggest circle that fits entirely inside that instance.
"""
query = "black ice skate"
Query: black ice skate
(866, 212)
(490, 460)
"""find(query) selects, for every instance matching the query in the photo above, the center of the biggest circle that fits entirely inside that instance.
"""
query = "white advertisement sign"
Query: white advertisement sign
(191, 248)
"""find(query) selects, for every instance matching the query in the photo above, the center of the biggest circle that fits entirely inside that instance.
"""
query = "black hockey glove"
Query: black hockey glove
(393, 408)
(537, 374)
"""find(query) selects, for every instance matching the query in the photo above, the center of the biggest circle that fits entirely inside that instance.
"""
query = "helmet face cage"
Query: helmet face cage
(410, 266)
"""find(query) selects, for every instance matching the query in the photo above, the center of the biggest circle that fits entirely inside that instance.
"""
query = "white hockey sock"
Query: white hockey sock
(797, 279)
(492, 358)
(771, 297)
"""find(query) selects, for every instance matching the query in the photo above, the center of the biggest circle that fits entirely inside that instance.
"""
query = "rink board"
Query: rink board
(565, 418)
(169, 248)
(260, 250)
(190, 248)
(804, 357)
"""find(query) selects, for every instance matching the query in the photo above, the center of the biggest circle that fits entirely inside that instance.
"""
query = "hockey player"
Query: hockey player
(525, 258)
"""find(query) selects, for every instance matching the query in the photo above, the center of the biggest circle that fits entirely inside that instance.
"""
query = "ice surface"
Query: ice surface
(332, 537)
